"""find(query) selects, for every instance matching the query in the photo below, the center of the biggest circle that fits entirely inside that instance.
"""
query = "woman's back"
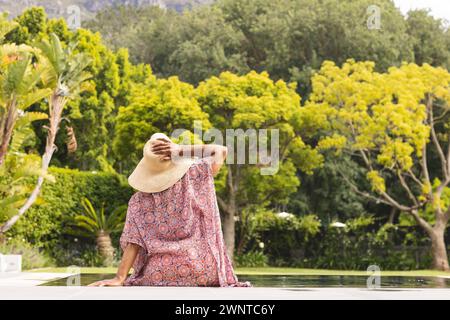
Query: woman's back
(179, 233)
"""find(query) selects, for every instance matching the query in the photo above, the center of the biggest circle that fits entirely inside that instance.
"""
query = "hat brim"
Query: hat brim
(145, 180)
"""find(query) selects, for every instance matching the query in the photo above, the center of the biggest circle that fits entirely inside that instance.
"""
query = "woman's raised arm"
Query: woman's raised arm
(168, 150)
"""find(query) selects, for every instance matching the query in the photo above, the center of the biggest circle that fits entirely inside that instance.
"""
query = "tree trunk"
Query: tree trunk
(228, 232)
(105, 248)
(439, 250)
(229, 210)
(7, 127)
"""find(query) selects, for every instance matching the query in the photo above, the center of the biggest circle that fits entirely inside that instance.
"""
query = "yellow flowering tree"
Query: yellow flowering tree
(396, 124)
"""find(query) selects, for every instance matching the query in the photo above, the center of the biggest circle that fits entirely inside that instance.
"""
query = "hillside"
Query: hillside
(88, 8)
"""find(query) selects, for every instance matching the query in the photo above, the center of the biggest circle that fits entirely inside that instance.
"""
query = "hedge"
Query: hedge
(43, 224)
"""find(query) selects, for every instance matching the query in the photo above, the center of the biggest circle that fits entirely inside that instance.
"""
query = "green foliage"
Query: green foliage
(360, 244)
(66, 70)
(359, 106)
(251, 259)
(19, 167)
(92, 114)
(77, 252)
(32, 256)
(32, 23)
(46, 223)
(278, 233)
(355, 246)
(19, 80)
(288, 38)
(156, 106)
(93, 221)
(14, 189)
(324, 193)
(430, 39)
(6, 26)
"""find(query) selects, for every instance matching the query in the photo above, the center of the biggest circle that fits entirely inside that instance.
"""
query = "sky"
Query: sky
(439, 8)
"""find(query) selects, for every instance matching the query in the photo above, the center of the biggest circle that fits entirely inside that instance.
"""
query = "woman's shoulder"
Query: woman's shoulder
(201, 167)
(135, 198)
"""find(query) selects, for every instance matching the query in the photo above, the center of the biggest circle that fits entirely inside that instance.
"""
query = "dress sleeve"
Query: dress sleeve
(131, 232)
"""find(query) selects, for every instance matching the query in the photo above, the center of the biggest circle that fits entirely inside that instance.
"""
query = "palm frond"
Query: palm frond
(89, 209)
(116, 219)
(28, 117)
(16, 73)
(86, 220)
(33, 96)
(95, 220)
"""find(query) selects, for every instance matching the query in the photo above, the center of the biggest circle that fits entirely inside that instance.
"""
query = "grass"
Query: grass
(281, 271)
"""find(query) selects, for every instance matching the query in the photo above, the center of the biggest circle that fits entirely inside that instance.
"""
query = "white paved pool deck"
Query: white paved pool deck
(25, 286)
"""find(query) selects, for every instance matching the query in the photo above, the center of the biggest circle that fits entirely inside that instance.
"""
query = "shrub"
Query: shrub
(251, 259)
(80, 254)
(32, 257)
(282, 233)
(292, 241)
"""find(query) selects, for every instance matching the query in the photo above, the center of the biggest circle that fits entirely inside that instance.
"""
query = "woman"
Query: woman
(172, 234)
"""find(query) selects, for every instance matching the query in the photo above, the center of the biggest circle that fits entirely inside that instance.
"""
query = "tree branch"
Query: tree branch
(223, 205)
(407, 189)
(448, 155)
(424, 165)
(422, 222)
(362, 193)
(415, 179)
(230, 179)
(435, 139)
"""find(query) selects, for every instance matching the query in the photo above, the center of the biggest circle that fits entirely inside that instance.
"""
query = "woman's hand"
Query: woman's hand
(116, 282)
(165, 149)
(128, 257)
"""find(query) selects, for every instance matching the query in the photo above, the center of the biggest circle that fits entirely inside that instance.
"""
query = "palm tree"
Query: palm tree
(64, 72)
(96, 224)
(19, 79)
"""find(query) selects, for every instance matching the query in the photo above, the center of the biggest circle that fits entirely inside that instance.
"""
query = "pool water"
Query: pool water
(298, 281)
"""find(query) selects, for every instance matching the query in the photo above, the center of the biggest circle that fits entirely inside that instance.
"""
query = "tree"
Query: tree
(159, 105)
(291, 38)
(95, 223)
(429, 37)
(32, 23)
(19, 80)
(91, 116)
(65, 74)
(323, 193)
(205, 40)
(254, 101)
(6, 26)
(121, 25)
(391, 122)
(173, 43)
(287, 38)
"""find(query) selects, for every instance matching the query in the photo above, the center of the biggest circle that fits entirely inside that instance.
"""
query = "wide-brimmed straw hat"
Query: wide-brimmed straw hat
(155, 175)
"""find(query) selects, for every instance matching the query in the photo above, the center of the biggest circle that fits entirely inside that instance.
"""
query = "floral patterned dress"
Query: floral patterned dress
(179, 234)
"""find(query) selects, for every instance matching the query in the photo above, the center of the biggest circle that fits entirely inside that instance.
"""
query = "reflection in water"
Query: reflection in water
(296, 281)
